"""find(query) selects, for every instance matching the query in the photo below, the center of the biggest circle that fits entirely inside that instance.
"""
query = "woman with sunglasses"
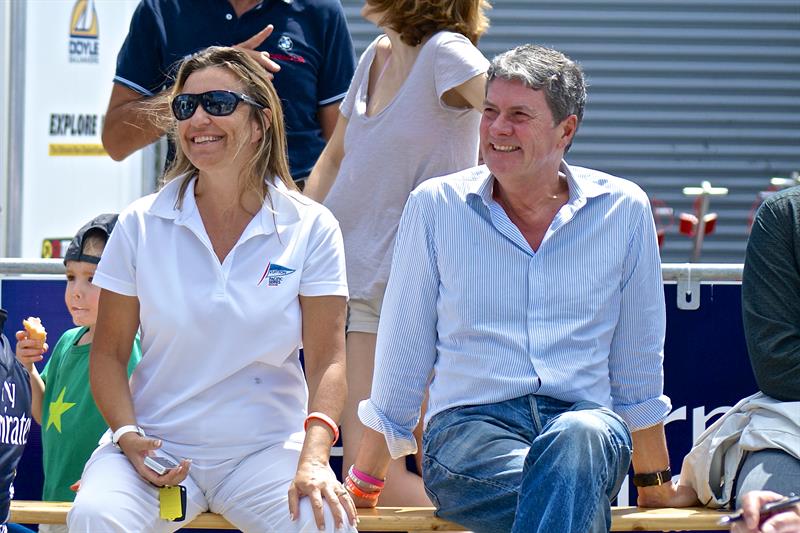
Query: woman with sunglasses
(411, 113)
(226, 270)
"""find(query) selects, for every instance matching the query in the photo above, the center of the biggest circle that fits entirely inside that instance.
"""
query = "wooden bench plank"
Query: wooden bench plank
(414, 518)
(667, 519)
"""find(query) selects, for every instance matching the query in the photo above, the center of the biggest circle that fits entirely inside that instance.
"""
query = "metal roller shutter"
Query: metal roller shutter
(681, 91)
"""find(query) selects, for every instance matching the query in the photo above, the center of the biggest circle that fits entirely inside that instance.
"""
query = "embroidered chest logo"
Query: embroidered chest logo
(286, 46)
(274, 274)
(285, 43)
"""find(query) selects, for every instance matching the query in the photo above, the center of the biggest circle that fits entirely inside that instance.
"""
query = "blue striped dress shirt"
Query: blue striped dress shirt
(473, 308)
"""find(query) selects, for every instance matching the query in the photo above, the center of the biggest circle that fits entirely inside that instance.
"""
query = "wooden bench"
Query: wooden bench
(414, 518)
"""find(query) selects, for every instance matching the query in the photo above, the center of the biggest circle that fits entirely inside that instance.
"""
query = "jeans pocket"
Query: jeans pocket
(436, 425)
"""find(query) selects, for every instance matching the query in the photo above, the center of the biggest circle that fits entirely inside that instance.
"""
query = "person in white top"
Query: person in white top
(228, 271)
(409, 115)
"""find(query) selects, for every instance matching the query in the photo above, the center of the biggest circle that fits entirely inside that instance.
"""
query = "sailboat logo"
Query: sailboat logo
(84, 22)
(84, 33)
(274, 274)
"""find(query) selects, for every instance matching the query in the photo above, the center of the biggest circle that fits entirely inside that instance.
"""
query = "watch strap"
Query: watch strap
(653, 479)
(122, 431)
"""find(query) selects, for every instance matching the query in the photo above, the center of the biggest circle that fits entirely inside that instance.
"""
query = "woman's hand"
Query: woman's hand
(784, 522)
(137, 447)
(316, 480)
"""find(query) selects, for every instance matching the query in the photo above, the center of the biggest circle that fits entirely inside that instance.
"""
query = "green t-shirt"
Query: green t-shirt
(71, 423)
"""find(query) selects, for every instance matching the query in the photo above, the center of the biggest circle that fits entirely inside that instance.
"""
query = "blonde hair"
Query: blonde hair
(416, 20)
(270, 157)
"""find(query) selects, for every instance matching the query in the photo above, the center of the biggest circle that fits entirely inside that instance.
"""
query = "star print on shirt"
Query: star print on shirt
(58, 408)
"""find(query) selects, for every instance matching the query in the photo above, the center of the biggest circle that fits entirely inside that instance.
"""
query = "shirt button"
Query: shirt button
(228, 17)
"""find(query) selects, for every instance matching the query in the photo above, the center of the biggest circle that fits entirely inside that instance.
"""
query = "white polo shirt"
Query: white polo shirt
(220, 374)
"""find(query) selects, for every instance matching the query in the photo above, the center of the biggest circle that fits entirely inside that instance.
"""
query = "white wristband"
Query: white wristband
(123, 430)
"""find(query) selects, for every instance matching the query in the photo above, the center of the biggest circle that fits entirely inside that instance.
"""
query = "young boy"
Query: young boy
(62, 398)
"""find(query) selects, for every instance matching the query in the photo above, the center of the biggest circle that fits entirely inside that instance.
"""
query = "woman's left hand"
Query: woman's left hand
(316, 480)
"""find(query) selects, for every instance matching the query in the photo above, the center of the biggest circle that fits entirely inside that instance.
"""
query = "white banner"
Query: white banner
(70, 58)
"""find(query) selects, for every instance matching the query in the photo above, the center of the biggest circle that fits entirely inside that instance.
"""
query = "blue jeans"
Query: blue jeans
(531, 464)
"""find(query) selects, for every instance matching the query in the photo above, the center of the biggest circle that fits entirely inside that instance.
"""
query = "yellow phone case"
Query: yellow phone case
(172, 503)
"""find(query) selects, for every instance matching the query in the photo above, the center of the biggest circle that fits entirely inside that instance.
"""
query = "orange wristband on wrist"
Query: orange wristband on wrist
(356, 491)
(325, 419)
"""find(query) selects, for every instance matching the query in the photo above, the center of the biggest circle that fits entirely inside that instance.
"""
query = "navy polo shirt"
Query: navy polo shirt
(15, 419)
(310, 41)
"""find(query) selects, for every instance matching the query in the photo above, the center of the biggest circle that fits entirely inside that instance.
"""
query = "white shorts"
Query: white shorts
(363, 315)
(250, 492)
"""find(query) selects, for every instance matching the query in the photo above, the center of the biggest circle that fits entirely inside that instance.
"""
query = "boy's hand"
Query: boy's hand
(29, 351)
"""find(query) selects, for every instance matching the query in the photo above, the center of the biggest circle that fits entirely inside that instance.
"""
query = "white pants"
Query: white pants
(250, 492)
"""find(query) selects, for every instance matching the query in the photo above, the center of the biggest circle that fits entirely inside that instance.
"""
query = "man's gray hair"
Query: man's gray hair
(545, 69)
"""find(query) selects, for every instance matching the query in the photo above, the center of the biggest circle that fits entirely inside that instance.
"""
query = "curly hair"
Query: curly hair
(416, 20)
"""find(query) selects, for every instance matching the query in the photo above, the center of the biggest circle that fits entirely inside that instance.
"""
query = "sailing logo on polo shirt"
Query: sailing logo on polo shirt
(274, 274)
(285, 43)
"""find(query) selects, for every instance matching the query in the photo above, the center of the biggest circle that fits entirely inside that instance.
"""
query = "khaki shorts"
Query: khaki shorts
(363, 315)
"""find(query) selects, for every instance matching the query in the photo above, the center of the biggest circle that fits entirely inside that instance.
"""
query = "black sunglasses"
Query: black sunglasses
(217, 103)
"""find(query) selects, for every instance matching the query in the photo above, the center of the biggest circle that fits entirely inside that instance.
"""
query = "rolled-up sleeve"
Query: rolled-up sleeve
(636, 361)
(407, 336)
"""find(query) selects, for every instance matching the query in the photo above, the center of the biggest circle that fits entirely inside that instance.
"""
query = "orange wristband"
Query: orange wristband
(325, 419)
(357, 492)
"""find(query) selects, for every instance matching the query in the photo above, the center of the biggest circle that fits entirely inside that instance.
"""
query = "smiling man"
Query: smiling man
(530, 292)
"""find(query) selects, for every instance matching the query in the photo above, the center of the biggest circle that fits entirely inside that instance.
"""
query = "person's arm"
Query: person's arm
(324, 355)
(770, 292)
(139, 77)
(636, 358)
(324, 173)
(328, 116)
(373, 458)
(406, 347)
(471, 93)
(129, 124)
(117, 323)
(650, 455)
(460, 73)
(28, 352)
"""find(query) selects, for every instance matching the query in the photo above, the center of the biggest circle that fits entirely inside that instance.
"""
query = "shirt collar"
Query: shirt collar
(279, 210)
(580, 189)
